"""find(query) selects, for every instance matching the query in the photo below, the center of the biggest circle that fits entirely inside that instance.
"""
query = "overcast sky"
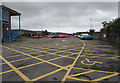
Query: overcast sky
(63, 16)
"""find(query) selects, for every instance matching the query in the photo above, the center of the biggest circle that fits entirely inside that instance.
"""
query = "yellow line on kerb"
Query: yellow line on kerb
(69, 70)
(16, 70)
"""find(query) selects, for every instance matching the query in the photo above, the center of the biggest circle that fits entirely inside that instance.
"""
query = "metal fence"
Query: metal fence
(112, 37)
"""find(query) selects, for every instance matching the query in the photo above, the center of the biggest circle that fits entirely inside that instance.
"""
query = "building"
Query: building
(5, 21)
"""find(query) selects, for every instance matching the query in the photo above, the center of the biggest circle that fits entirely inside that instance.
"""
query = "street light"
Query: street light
(91, 22)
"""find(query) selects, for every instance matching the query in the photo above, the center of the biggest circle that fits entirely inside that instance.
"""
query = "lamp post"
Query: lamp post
(91, 22)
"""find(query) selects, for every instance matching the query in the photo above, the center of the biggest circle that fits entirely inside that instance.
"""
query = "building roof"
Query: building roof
(12, 12)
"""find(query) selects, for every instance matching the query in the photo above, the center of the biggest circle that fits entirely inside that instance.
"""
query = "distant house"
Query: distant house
(5, 21)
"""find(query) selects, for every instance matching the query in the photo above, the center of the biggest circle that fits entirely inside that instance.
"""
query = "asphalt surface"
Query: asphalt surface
(60, 60)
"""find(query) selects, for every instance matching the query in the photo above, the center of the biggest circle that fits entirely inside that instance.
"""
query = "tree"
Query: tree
(112, 29)
(45, 33)
(91, 31)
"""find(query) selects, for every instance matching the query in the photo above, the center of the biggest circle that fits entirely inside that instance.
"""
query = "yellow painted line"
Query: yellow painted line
(13, 56)
(49, 52)
(40, 63)
(82, 73)
(6, 72)
(80, 68)
(23, 55)
(30, 65)
(46, 48)
(94, 70)
(65, 56)
(102, 78)
(32, 49)
(35, 52)
(99, 56)
(8, 53)
(66, 52)
(90, 62)
(20, 59)
(13, 53)
(69, 70)
(83, 56)
(112, 57)
(77, 79)
(34, 57)
(16, 60)
(15, 69)
(50, 73)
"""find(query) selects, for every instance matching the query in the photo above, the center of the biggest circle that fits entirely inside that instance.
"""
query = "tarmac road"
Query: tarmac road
(56, 60)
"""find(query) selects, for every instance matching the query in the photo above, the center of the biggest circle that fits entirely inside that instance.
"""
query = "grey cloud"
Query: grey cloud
(64, 16)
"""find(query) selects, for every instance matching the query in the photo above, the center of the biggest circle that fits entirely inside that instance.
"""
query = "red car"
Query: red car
(40, 36)
(63, 36)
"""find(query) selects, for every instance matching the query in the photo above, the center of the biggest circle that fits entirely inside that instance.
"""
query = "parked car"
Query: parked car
(54, 36)
(40, 36)
(34, 36)
(49, 36)
(63, 36)
(86, 37)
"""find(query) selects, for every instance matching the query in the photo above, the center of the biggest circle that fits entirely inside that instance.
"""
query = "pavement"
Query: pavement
(60, 60)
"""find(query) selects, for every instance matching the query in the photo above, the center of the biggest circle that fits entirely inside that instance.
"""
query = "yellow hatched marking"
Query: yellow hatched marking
(77, 79)
(6, 72)
(94, 70)
(45, 75)
(82, 73)
(69, 70)
(34, 57)
(25, 58)
(102, 78)
(64, 56)
(16, 60)
(8, 53)
(99, 56)
(16, 70)
(65, 50)
(30, 65)
(13, 56)
(49, 52)
(113, 58)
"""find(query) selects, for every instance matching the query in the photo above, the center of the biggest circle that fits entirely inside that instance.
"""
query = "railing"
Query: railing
(15, 35)
(12, 37)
